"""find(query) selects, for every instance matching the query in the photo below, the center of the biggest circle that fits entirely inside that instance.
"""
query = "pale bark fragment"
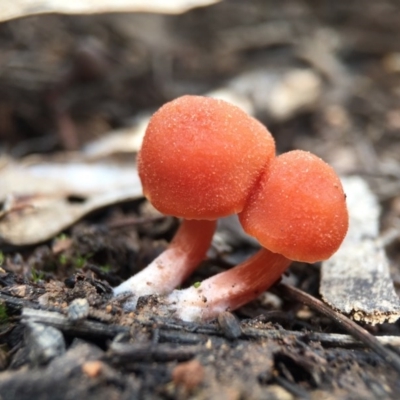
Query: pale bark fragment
(356, 279)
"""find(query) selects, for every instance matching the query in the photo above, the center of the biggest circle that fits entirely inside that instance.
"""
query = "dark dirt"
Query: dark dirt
(99, 72)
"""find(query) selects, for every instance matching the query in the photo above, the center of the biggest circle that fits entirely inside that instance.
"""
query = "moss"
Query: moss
(3, 314)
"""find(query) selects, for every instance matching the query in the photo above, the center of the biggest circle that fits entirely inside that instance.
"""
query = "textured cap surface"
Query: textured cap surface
(298, 209)
(200, 157)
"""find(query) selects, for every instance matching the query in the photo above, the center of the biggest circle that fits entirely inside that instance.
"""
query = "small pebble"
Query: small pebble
(229, 325)
(44, 342)
(78, 310)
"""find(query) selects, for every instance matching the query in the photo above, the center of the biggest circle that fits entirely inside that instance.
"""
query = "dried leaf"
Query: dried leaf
(127, 140)
(282, 94)
(19, 8)
(42, 197)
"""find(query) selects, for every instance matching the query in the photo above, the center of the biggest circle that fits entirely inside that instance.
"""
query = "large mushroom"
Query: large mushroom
(297, 212)
(199, 160)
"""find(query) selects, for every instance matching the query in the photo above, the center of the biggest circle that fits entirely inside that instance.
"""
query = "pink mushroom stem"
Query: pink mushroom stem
(230, 289)
(187, 249)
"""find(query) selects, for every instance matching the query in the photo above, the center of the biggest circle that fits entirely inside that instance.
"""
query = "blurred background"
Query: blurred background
(323, 76)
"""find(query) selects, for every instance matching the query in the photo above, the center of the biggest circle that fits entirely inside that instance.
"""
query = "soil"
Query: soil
(66, 80)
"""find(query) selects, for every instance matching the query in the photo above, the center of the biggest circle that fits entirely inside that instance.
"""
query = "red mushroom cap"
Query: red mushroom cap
(201, 156)
(298, 209)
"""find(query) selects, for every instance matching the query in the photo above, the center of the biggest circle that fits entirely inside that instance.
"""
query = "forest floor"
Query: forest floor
(66, 81)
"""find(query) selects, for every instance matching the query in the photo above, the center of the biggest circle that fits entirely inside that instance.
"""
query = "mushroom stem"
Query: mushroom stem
(230, 289)
(186, 250)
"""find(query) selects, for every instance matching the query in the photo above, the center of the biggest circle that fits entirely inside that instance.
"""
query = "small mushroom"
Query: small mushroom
(199, 159)
(297, 212)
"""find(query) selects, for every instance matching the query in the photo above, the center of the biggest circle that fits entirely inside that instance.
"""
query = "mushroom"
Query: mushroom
(199, 159)
(297, 211)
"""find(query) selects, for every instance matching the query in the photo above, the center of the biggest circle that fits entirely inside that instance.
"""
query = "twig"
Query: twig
(16, 303)
(185, 333)
(84, 328)
(326, 339)
(351, 327)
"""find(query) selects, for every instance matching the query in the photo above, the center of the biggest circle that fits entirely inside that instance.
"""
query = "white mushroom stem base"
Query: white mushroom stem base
(187, 249)
(230, 289)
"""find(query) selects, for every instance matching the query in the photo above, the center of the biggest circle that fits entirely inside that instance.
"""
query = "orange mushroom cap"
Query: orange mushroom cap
(201, 156)
(298, 208)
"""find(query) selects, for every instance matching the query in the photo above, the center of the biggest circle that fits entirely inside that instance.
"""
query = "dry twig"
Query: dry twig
(345, 323)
